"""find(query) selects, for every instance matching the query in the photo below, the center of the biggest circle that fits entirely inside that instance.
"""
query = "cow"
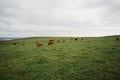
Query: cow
(14, 43)
(63, 40)
(51, 42)
(76, 39)
(38, 43)
(82, 39)
(89, 41)
(23, 43)
(58, 41)
(117, 39)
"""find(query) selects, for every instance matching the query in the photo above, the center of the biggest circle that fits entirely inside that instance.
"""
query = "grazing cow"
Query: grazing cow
(117, 39)
(23, 43)
(76, 39)
(14, 43)
(82, 39)
(63, 40)
(51, 42)
(58, 41)
(89, 41)
(39, 44)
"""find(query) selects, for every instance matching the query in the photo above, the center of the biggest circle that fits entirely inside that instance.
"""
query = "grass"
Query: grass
(72, 60)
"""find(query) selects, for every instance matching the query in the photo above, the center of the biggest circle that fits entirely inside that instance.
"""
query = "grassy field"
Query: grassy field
(71, 60)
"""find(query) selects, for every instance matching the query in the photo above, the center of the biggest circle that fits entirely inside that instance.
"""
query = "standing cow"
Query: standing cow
(63, 40)
(76, 39)
(82, 39)
(51, 42)
(23, 43)
(117, 39)
(89, 41)
(14, 43)
(38, 43)
(58, 41)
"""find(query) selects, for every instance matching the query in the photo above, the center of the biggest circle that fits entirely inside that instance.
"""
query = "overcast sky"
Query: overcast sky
(27, 18)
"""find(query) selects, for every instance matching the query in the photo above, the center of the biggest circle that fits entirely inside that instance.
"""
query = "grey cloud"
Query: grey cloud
(59, 17)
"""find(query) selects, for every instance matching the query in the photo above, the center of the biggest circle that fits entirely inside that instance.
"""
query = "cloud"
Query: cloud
(59, 18)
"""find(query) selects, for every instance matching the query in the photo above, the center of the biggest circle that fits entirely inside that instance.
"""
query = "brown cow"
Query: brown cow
(63, 40)
(58, 41)
(39, 44)
(23, 43)
(82, 39)
(89, 41)
(51, 42)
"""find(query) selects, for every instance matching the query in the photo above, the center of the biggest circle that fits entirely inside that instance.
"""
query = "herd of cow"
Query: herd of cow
(51, 42)
(39, 43)
(82, 39)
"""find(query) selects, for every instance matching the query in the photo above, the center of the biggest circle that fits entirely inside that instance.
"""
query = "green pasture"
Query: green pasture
(71, 60)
